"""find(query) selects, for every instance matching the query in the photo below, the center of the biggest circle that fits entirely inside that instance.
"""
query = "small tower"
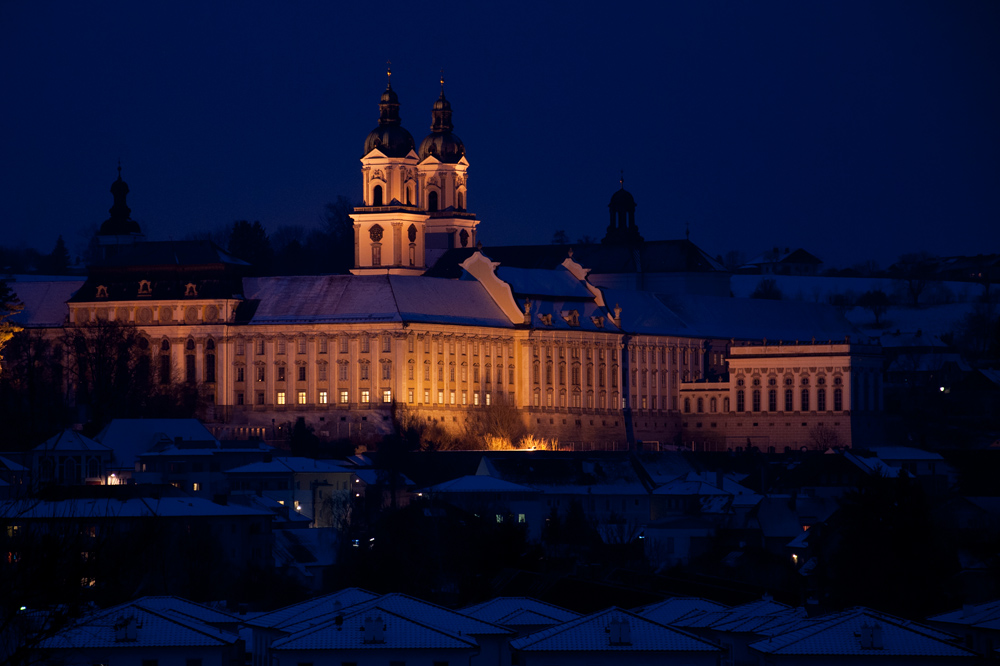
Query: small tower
(622, 229)
(389, 227)
(443, 175)
(119, 230)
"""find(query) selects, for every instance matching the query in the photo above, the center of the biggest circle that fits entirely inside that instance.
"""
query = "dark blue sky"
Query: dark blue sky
(854, 129)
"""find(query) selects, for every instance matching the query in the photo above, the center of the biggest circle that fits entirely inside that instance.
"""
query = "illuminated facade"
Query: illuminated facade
(341, 350)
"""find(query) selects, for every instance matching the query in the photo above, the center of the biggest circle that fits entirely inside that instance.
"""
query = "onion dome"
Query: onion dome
(120, 223)
(389, 137)
(441, 142)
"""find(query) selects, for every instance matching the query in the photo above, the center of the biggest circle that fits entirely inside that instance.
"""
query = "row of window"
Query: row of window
(384, 343)
(365, 396)
(478, 374)
(804, 381)
(805, 401)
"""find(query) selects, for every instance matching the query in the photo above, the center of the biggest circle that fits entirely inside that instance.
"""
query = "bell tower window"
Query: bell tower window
(409, 195)
(432, 201)
(377, 196)
(460, 203)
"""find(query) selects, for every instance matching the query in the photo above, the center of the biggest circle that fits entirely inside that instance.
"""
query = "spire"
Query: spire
(388, 105)
(621, 179)
(441, 113)
(120, 222)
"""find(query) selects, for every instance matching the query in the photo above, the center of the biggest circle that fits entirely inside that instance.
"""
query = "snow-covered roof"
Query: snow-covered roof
(519, 611)
(131, 437)
(10, 465)
(759, 608)
(137, 507)
(904, 453)
(71, 440)
(557, 283)
(290, 465)
(311, 608)
(189, 609)
(842, 634)
(427, 612)
(154, 628)
(400, 632)
(591, 634)
(44, 300)
(756, 318)
(371, 299)
(665, 612)
(479, 484)
(985, 616)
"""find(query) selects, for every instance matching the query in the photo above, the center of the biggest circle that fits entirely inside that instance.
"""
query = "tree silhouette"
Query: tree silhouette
(250, 243)
(876, 302)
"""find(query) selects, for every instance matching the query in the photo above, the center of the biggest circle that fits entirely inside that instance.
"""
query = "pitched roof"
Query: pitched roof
(154, 628)
(401, 632)
(71, 440)
(44, 300)
(131, 437)
(426, 612)
(371, 298)
(518, 611)
(591, 634)
(287, 465)
(480, 483)
(315, 607)
(665, 612)
(189, 609)
(841, 634)
(985, 615)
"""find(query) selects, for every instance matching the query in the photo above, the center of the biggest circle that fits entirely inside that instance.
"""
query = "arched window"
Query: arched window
(725, 404)
(740, 401)
(805, 400)
(821, 400)
(69, 472)
(687, 405)
(93, 468)
(377, 196)
(460, 204)
(772, 400)
(432, 201)
(756, 400)
(838, 399)
(789, 400)
(701, 405)
(713, 405)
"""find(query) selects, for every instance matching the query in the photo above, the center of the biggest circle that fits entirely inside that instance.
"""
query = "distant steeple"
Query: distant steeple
(120, 223)
(622, 229)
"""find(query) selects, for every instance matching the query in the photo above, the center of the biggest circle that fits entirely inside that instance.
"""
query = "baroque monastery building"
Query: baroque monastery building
(599, 345)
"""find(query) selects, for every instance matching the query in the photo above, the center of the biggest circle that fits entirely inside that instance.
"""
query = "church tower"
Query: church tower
(119, 230)
(389, 227)
(443, 178)
(414, 200)
(622, 229)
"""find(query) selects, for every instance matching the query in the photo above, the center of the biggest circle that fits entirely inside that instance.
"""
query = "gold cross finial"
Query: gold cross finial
(442, 80)
(388, 73)
(621, 179)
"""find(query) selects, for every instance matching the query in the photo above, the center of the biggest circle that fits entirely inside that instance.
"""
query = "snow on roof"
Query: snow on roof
(556, 472)
(479, 484)
(371, 298)
(44, 301)
(138, 507)
(562, 318)
(756, 319)
(591, 634)
(189, 609)
(985, 615)
(556, 283)
(400, 632)
(904, 453)
(299, 548)
(665, 612)
(296, 465)
(311, 608)
(932, 321)
(10, 465)
(71, 440)
(131, 437)
(518, 611)
(759, 608)
(154, 628)
(842, 635)
(643, 312)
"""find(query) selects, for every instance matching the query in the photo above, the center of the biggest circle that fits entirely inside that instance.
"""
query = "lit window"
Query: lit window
(322, 397)
(343, 397)
(410, 396)
(301, 398)
(487, 399)
(365, 396)
(440, 397)
(281, 397)
(427, 396)
(386, 395)
(195, 486)
(452, 396)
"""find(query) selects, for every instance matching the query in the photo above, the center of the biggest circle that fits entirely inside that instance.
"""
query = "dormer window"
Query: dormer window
(190, 289)
(145, 288)
(546, 319)
(377, 196)
(102, 291)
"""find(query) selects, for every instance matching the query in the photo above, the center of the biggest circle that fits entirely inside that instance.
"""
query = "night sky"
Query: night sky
(854, 129)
